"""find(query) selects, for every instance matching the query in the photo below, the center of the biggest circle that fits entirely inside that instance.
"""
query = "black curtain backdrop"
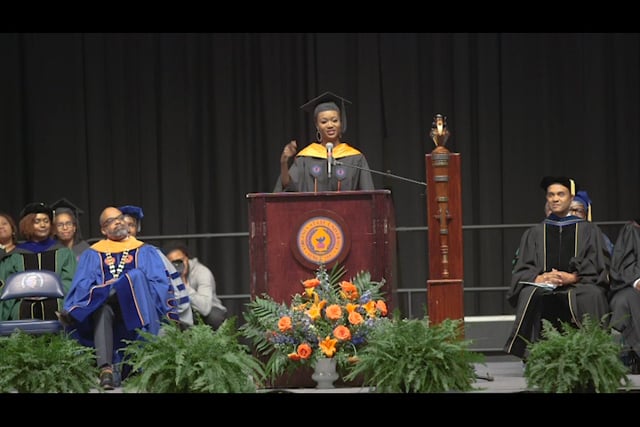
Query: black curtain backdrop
(186, 125)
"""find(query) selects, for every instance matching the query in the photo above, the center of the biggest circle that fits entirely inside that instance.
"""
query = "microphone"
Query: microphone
(329, 158)
(387, 174)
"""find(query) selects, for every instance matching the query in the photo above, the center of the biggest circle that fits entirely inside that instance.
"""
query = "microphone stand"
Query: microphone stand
(390, 175)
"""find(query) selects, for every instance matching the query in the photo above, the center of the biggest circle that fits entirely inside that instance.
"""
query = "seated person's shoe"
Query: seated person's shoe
(65, 318)
(106, 378)
(635, 363)
(631, 360)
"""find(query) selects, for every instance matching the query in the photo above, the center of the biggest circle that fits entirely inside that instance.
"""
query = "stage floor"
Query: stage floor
(499, 374)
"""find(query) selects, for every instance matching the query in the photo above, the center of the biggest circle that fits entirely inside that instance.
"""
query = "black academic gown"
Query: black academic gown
(625, 270)
(566, 244)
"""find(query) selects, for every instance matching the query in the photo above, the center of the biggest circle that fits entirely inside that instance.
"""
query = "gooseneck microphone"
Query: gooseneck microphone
(329, 158)
(388, 174)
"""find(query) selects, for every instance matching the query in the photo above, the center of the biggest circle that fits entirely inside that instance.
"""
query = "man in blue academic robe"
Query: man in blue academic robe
(120, 287)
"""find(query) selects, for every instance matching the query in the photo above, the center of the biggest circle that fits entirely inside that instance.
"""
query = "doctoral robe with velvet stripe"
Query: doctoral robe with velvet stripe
(625, 271)
(48, 255)
(566, 244)
(142, 289)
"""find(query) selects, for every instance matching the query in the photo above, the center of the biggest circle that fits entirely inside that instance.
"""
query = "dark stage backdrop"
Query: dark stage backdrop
(185, 125)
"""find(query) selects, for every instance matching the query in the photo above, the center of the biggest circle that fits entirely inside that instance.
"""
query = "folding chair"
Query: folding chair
(32, 284)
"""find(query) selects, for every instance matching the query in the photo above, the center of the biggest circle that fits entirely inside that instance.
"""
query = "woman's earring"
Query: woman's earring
(318, 135)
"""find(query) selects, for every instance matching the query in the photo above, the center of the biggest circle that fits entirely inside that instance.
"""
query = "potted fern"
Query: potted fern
(573, 360)
(51, 363)
(197, 360)
(415, 356)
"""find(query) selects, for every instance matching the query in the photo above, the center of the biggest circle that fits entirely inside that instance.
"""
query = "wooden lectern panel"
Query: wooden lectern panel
(280, 225)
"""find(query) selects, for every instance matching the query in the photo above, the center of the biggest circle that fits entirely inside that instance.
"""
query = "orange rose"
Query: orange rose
(333, 312)
(380, 305)
(342, 333)
(349, 290)
(284, 324)
(311, 283)
(355, 318)
(304, 351)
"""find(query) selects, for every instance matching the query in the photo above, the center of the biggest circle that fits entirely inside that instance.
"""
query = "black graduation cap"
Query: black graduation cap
(37, 207)
(562, 180)
(64, 205)
(328, 101)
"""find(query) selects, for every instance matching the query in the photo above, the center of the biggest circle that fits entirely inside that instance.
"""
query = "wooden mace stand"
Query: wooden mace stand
(445, 299)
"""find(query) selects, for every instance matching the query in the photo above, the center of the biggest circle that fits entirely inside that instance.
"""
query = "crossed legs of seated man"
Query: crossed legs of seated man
(624, 304)
(104, 319)
(110, 319)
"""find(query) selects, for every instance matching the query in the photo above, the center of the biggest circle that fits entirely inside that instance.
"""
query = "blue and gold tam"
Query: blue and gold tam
(135, 212)
(582, 197)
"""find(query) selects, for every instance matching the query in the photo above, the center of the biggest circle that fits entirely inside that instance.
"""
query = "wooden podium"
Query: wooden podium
(290, 234)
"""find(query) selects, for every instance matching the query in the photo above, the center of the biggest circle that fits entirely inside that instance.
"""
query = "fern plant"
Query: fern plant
(51, 363)
(197, 360)
(263, 313)
(414, 356)
(570, 360)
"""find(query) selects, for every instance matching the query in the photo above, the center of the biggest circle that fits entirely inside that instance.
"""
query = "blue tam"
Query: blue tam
(134, 211)
(582, 197)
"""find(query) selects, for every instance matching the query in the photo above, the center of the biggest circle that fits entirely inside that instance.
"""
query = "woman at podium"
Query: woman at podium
(328, 164)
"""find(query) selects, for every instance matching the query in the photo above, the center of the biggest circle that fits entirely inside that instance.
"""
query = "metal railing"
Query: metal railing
(409, 293)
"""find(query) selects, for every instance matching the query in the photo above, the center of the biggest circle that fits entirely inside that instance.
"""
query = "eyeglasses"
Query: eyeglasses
(65, 224)
(107, 222)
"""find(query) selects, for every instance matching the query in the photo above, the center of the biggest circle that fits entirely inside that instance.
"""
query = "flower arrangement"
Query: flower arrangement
(330, 318)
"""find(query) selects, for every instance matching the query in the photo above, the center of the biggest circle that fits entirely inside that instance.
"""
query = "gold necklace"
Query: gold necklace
(112, 269)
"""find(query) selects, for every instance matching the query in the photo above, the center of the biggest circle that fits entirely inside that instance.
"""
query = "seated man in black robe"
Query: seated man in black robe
(568, 254)
(625, 292)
